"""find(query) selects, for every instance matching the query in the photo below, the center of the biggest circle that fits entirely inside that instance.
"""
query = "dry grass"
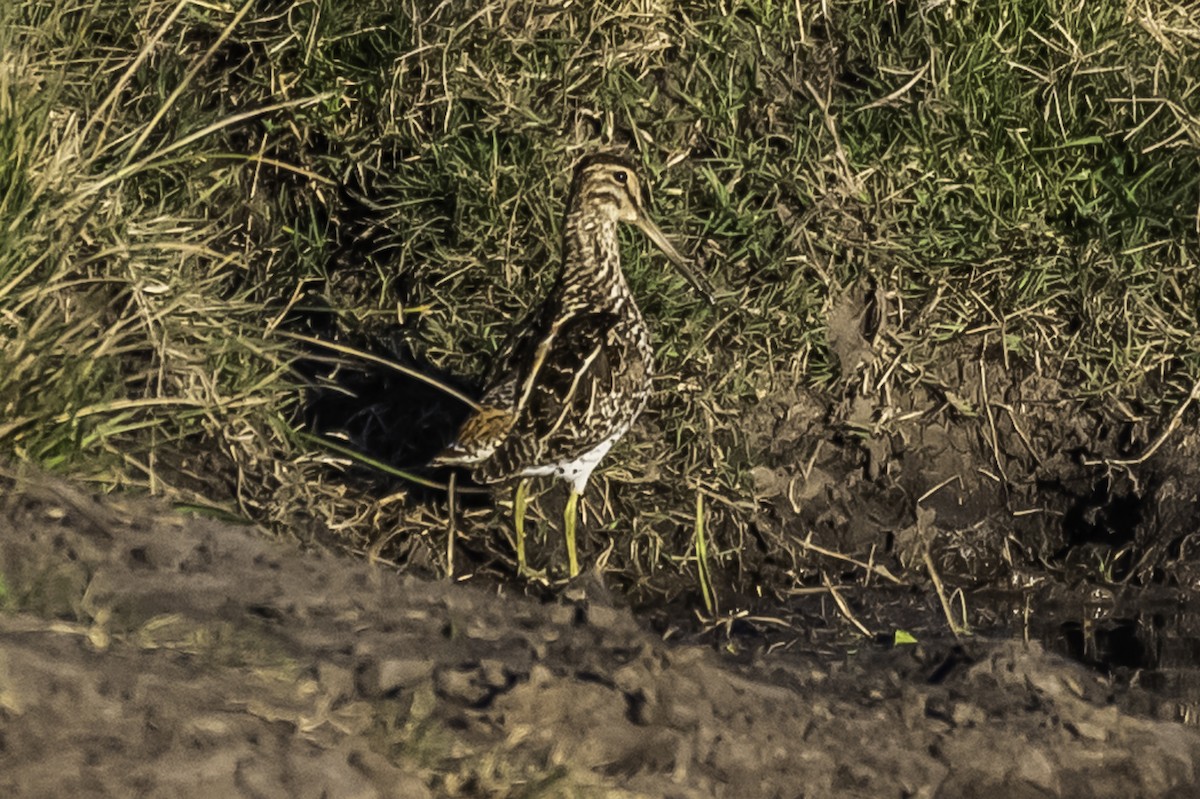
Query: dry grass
(180, 181)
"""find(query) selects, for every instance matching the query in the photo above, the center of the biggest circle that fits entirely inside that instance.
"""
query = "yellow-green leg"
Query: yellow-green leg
(519, 523)
(569, 525)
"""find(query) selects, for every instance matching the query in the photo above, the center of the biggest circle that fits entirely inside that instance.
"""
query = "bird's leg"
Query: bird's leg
(569, 516)
(519, 523)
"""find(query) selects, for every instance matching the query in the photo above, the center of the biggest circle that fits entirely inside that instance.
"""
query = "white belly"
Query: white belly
(578, 471)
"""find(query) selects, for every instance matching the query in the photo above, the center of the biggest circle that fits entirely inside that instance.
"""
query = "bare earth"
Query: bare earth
(156, 655)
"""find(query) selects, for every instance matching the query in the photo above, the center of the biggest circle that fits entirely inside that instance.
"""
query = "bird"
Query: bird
(574, 382)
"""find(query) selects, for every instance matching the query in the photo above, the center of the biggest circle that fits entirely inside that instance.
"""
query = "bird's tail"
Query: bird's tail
(478, 438)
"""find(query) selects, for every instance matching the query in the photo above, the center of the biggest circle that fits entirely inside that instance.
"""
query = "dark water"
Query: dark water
(1145, 642)
(1152, 643)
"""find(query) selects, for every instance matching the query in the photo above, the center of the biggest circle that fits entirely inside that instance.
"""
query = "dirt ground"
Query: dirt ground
(149, 654)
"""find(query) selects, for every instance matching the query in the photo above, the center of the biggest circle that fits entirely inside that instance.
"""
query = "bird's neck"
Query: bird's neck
(592, 259)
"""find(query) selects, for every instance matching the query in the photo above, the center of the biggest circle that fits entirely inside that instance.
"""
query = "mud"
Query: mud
(992, 465)
(143, 653)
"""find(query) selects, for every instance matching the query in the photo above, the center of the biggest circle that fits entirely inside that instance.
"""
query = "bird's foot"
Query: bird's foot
(533, 575)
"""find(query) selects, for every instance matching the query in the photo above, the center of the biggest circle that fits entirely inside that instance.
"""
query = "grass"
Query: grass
(179, 182)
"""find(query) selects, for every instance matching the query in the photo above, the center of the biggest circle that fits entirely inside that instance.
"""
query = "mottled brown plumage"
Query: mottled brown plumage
(571, 388)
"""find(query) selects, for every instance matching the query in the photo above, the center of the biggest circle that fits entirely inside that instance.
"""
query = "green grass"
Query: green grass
(178, 181)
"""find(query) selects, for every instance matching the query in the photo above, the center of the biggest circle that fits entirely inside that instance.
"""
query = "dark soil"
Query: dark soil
(147, 654)
(991, 465)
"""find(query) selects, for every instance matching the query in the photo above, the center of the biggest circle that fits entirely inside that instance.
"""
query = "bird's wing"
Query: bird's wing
(573, 355)
(559, 383)
(509, 364)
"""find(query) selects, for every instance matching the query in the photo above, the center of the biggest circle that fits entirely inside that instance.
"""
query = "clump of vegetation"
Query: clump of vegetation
(134, 348)
(182, 183)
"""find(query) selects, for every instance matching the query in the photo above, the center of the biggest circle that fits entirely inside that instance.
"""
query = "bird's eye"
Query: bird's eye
(620, 177)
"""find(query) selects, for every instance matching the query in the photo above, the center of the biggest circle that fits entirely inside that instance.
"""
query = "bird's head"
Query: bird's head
(608, 185)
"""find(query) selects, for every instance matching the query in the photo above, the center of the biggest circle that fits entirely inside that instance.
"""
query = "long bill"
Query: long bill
(660, 239)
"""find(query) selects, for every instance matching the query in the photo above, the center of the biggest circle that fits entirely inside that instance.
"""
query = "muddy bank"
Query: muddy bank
(990, 463)
(144, 653)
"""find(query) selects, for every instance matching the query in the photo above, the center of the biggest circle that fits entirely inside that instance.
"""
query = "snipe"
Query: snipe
(577, 381)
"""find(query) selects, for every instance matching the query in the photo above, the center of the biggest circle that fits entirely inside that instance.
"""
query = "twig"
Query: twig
(706, 587)
(366, 356)
(940, 486)
(991, 417)
(882, 571)
(1172, 426)
(843, 607)
(958, 630)
(887, 98)
(452, 511)
(375, 463)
